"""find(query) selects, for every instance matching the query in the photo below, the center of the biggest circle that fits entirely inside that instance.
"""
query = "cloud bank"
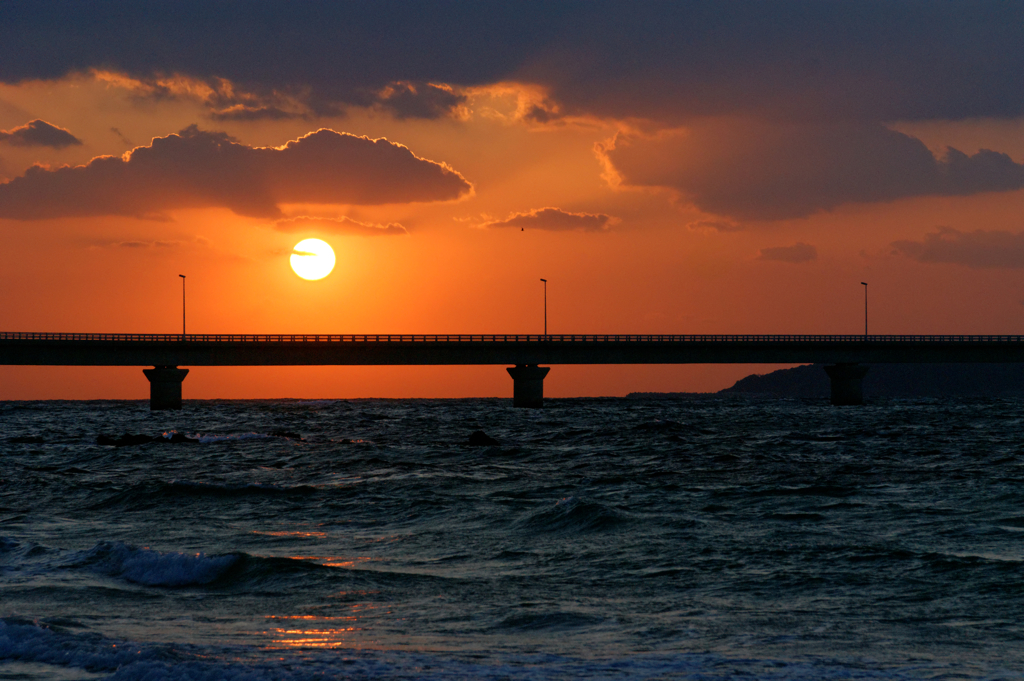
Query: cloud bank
(807, 85)
(39, 133)
(199, 169)
(554, 220)
(979, 249)
(662, 60)
(756, 170)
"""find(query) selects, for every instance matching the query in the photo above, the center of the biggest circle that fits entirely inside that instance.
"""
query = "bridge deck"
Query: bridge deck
(71, 349)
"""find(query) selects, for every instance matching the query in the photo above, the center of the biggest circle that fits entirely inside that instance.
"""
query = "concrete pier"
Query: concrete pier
(528, 385)
(847, 383)
(165, 387)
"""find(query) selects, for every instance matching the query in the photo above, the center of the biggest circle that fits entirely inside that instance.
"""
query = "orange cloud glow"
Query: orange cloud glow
(195, 168)
(342, 225)
(554, 219)
(39, 133)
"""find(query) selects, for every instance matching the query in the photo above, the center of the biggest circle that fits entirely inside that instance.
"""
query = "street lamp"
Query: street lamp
(545, 306)
(865, 285)
(182, 306)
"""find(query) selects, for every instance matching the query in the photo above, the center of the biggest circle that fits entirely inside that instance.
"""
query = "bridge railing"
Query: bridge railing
(498, 338)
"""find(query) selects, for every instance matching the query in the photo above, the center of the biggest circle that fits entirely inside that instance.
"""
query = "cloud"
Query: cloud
(342, 225)
(428, 100)
(199, 169)
(224, 100)
(668, 61)
(554, 220)
(749, 169)
(249, 112)
(979, 249)
(39, 133)
(836, 70)
(797, 253)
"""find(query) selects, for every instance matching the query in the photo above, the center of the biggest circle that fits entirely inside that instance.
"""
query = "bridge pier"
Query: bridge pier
(528, 385)
(847, 383)
(165, 387)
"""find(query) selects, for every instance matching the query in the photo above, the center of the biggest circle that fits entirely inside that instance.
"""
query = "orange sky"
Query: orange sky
(725, 221)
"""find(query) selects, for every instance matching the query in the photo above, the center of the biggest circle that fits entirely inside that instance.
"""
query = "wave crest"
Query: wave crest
(573, 514)
(154, 568)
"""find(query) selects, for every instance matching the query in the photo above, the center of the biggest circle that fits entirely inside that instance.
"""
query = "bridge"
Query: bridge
(844, 355)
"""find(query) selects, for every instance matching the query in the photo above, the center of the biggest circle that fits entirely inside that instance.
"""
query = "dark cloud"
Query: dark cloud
(756, 170)
(978, 249)
(666, 60)
(544, 112)
(554, 220)
(194, 169)
(797, 253)
(39, 133)
(427, 100)
(342, 225)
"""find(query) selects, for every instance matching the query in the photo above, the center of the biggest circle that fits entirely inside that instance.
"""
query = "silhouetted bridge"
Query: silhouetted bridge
(165, 353)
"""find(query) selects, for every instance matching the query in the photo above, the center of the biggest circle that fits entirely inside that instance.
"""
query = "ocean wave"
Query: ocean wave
(50, 644)
(25, 556)
(549, 621)
(189, 488)
(573, 514)
(154, 568)
(796, 517)
(148, 495)
(174, 437)
(822, 490)
(28, 641)
(176, 569)
(233, 437)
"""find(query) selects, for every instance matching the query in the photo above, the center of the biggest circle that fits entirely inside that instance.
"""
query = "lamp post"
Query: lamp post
(545, 306)
(865, 285)
(182, 306)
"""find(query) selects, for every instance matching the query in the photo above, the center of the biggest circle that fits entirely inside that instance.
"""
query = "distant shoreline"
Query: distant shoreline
(882, 380)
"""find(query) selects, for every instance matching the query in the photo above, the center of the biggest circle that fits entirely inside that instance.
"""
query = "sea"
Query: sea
(708, 537)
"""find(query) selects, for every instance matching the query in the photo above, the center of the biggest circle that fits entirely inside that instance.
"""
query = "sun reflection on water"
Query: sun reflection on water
(322, 631)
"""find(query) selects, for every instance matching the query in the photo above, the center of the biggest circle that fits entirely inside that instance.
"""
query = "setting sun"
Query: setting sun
(312, 259)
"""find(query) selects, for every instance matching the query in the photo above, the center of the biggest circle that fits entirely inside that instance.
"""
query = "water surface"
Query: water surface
(696, 538)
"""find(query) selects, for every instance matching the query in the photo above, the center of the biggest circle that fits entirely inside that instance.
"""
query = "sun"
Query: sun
(312, 259)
